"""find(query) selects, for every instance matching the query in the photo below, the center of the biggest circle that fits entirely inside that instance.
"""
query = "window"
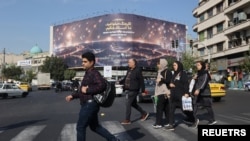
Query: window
(219, 8)
(219, 47)
(210, 13)
(210, 49)
(202, 17)
(209, 33)
(201, 36)
(219, 27)
(202, 53)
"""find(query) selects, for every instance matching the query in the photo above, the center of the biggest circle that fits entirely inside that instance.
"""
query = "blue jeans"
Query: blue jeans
(88, 117)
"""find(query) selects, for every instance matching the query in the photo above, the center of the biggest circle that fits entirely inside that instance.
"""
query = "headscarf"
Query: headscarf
(203, 70)
(179, 68)
(164, 64)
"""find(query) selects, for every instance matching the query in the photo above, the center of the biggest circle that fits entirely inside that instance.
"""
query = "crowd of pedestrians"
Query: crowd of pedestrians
(171, 86)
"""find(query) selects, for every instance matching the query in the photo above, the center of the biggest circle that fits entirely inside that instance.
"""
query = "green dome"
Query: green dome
(35, 49)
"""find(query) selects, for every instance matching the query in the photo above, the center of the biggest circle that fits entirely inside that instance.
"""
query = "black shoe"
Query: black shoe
(170, 127)
(188, 121)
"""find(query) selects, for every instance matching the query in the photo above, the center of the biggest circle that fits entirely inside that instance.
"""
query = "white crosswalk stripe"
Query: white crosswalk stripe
(29, 133)
(161, 134)
(68, 133)
(116, 129)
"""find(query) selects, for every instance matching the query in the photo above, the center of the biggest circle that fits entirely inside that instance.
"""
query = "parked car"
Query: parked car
(11, 90)
(25, 86)
(149, 90)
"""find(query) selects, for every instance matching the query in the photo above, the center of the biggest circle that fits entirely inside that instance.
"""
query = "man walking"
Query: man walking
(92, 83)
(133, 82)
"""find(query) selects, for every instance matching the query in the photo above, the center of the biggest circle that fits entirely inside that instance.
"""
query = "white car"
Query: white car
(11, 90)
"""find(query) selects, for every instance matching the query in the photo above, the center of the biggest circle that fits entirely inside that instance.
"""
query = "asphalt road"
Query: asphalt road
(45, 116)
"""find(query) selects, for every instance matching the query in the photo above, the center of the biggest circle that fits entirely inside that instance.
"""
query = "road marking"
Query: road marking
(68, 133)
(29, 133)
(160, 134)
(234, 117)
(116, 129)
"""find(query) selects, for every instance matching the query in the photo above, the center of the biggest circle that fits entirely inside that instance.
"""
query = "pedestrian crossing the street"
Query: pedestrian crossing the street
(68, 131)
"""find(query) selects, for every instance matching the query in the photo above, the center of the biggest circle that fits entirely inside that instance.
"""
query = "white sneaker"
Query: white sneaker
(166, 125)
(157, 126)
(212, 122)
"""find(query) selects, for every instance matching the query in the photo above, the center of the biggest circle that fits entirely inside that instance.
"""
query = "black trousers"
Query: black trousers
(162, 106)
(131, 102)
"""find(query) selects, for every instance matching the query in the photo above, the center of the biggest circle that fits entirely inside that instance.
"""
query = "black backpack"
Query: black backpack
(107, 97)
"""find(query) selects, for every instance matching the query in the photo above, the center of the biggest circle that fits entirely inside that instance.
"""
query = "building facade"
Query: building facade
(223, 29)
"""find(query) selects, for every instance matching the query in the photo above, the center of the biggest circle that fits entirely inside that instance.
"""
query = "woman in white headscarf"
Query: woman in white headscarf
(162, 92)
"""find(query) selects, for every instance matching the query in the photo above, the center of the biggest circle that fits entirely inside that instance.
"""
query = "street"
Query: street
(45, 116)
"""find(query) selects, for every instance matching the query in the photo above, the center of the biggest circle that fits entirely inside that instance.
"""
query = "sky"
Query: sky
(26, 23)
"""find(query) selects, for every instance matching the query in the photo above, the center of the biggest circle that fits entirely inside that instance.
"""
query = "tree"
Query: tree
(12, 72)
(29, 76)
(55, 66)
(245, 63)
(69, 74)
(188, 61)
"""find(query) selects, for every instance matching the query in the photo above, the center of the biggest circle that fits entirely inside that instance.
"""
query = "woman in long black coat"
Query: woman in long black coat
(179, 87)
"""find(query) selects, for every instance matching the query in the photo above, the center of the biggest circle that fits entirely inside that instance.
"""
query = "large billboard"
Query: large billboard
(114, 38)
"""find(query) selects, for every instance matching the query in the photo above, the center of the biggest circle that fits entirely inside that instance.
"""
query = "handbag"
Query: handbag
(187, 103)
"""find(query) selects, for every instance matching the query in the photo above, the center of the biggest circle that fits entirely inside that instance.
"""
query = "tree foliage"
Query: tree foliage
(188, 61)
(29, 76)
(245, 63)
(12, 72)
(55, 66)
(69, 74)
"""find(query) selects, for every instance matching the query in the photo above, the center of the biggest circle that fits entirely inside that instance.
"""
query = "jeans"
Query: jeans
(131, 101)
(88, 117)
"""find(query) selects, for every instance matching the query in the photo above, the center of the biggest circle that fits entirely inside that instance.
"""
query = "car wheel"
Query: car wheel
(24, 94)
(217, 99)
(138, 99)
(5, 96)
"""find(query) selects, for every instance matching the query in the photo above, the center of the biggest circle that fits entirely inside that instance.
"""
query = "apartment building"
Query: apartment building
(223, 30)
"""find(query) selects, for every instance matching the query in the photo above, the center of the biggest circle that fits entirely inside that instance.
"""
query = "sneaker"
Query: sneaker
(170, 127)
(196, 123)
(212, 122)
(166, 125)
(157, 126)
(126, 122)
(144, 116)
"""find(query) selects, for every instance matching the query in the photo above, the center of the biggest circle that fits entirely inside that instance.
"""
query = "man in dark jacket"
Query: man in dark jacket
(92, 83)
(133, 84)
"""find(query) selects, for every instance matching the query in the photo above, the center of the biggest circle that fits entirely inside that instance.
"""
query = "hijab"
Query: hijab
(203, 70)
(179, 68)
(164, 64)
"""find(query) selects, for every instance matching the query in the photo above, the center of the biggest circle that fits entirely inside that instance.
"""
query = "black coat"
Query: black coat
(136, 80)
(181, 86)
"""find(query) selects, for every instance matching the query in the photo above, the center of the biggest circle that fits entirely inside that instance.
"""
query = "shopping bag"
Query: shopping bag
(187, 103)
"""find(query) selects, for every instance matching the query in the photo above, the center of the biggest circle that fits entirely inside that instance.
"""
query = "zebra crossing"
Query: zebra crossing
(68, 131)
